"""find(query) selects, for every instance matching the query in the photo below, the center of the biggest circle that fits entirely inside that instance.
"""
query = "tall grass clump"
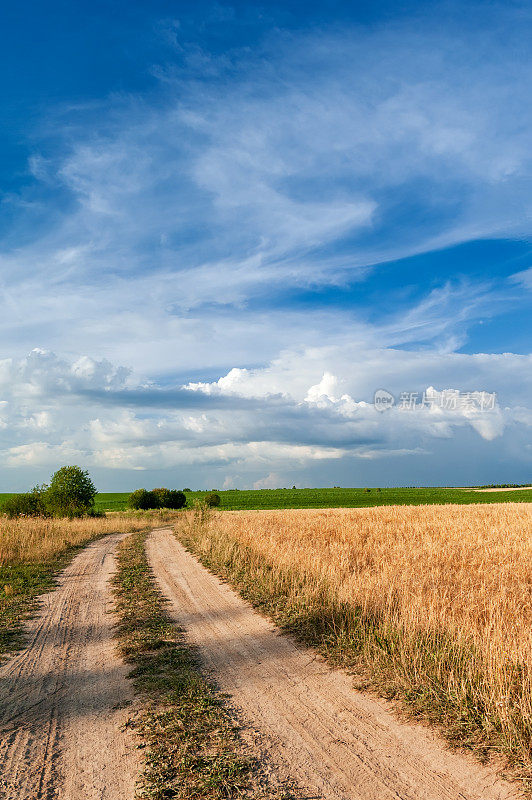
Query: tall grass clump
(431, 605)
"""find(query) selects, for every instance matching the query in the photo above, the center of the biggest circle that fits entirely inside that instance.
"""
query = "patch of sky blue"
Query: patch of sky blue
(506, 333)
(57, 52)
(73, 52)
(32, 212)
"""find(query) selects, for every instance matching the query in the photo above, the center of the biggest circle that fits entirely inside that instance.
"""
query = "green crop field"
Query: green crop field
(235, 499)
(334, 498)
(112, 501)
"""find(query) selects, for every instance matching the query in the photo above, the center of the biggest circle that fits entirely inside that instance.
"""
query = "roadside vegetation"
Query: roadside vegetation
(33, 550)
(193, 749)
(431, 606)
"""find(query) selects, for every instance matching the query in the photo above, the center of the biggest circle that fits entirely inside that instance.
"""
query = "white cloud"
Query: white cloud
(271, 481)
(290, 423)
(325, 389)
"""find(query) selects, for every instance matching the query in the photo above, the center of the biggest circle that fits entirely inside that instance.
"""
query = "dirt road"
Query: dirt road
(62, 698)
(337, 743)
(506, 489)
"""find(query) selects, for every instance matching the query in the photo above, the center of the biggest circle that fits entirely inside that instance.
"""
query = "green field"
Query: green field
(235, 499)
(334, 498)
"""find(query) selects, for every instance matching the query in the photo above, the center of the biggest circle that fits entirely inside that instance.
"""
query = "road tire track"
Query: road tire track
(63, 698)
(338, 743)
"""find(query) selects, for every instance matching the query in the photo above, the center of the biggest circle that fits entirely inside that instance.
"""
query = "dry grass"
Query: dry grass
(32, 540)
(432, 603)
(33, 550)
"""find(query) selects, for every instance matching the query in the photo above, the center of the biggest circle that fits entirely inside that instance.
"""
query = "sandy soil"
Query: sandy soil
(337, 743)
(63, 698)
(507, 489)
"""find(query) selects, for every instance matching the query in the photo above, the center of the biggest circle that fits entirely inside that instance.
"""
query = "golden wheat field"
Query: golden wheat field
(31, 540)
(440, 597)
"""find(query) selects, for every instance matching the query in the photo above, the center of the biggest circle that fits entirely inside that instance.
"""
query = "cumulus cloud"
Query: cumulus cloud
(287, 423)
(271, 481)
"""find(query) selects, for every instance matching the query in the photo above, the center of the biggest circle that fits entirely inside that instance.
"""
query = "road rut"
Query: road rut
(336, 742)
(63, 698)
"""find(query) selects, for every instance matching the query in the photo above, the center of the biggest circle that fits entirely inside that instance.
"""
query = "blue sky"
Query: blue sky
(225, 226)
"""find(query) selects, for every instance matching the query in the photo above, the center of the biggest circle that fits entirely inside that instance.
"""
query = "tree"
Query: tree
(71, 493)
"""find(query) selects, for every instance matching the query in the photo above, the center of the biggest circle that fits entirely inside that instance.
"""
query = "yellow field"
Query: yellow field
(436, 601)
(31, 540)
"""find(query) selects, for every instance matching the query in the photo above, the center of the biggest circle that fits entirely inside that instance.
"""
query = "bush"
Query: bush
(175, 499)
(158, 498)
(142, 500)
(212, 499)
(162, 496)
(71, 493)
(28, 504)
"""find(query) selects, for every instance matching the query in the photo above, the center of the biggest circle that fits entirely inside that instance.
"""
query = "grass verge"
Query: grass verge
(193, 749)
(437, 676)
